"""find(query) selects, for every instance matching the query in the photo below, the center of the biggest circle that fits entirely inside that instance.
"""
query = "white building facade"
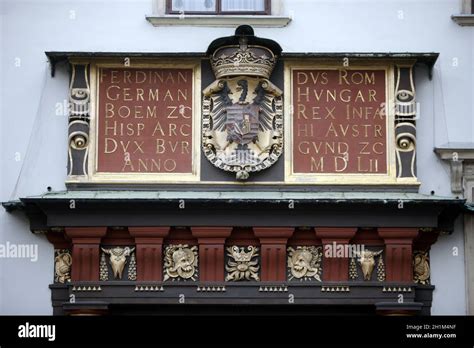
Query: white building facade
(34, 104)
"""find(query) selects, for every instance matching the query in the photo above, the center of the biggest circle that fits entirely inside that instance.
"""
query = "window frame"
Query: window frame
(218, 11)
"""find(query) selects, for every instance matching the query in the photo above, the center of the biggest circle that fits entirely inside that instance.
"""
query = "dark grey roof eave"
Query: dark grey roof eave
(236, 198)
(428, 58)
(13, 205)
(425, 56)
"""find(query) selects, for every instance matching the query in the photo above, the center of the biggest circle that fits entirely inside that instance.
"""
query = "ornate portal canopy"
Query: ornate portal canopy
(148, 222)
(242, 121)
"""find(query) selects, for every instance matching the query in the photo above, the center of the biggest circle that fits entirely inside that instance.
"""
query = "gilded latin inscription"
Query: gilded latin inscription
(145, 120)
(339, 121)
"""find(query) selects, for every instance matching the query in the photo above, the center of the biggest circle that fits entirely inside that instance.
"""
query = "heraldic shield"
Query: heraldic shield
(242, 109)
(242, 123)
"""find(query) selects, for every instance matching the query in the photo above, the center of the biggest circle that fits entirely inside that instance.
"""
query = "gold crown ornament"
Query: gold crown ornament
(243, 54)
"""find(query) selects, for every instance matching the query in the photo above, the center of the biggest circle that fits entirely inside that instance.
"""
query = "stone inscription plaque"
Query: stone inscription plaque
(339, 121)
(145, 120)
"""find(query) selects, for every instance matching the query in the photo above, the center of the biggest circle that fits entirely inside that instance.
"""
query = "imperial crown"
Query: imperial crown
(243, 54)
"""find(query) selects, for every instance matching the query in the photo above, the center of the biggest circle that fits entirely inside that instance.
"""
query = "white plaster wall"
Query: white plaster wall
(447, 263)
(447, 254)
(1, 152)
(29, 126)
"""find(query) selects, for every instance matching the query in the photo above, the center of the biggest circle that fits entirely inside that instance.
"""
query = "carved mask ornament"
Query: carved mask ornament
(181, 262)
(242, 109)
(304, 262)
(242, 263)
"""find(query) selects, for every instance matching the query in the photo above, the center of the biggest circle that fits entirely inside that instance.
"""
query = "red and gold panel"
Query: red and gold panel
(146, 118)
(340, 125)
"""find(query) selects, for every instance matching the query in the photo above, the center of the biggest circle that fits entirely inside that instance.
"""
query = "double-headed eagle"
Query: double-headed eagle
(262, 103)
(242, 124)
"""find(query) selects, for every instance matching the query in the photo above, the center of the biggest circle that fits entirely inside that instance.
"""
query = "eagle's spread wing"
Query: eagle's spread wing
(267, 108)
(220, 101)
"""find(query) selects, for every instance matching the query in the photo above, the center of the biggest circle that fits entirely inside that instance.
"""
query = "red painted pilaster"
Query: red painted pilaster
(398, 253)
(273, 242)
(211, 242)
(149, 251)
(85, 252)
(335, 268)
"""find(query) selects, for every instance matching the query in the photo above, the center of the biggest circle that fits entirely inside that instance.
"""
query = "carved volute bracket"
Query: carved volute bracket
(461, 162)
(79, 116)
(405, 122)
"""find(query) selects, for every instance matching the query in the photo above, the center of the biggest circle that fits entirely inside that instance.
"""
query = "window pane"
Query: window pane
(243, 5)
(194, 5)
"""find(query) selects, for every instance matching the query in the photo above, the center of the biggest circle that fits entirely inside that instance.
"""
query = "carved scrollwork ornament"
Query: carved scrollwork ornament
(62, 265)
(404, 95)
(421, 267)
(242, 263)
(79, 99)
(406, 142)
(78, 140)
(406, 113)
(405, 104)
(304, 263)
(181, 262)
(79, 118)
(80, 95)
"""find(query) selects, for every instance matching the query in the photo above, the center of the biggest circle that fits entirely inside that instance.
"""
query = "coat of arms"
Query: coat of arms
(243, 109)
